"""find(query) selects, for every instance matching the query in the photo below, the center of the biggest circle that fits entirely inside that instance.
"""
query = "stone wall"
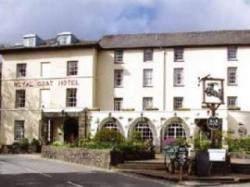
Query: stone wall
(90, 157)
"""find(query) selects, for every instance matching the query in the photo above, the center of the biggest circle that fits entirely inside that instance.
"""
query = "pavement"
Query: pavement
(32, 170)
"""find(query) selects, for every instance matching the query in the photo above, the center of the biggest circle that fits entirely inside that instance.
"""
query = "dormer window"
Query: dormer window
(31, 40)
(66, 38)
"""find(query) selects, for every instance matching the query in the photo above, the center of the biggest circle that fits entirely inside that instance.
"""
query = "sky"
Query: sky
(91, 19)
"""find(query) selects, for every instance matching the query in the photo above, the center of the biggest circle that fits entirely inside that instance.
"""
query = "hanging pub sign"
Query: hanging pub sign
(213, 90)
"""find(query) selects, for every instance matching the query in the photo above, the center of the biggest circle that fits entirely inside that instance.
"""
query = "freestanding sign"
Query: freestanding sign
(213, 123)
(182, 153)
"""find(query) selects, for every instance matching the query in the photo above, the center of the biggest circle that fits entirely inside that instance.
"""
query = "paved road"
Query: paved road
(21, 170)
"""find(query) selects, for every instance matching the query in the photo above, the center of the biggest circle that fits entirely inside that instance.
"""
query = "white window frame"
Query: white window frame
(179, 54)
(232, 53)
(178, 103)
(118, 78)
(148, 55)
(19, 130)
(20, 98)
(71, 98)
(178, 76)
(21, 70)
(147, 77)
(143, 128)
(147, 103)
(72, 68)
(118, 102)
(232, 101)
(174, 130)
(232, 76)
(118, 56)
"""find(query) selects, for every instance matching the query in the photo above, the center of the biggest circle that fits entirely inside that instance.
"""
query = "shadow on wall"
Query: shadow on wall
(9, 113)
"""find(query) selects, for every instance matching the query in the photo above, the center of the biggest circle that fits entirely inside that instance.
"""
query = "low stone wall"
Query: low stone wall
(90, 157)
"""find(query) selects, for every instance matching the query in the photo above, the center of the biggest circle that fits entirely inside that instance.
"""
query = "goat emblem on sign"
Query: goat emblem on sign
(213, 91)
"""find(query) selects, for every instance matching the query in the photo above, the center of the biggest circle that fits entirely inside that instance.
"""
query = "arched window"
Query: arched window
(174, 130)
(111, 125)
(144, 129)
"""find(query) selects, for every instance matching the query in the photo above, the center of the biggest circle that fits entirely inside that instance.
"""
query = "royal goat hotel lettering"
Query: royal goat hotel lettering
(45, 83)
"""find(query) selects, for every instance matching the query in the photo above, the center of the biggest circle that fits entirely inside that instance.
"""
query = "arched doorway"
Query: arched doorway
(145, 128)
(112, 124)
(70, 130)
(174, 128)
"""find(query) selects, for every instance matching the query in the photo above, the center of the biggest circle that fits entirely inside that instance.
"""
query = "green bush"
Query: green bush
(58, 144)
(135, 136)
(239, 144)
(24, 143)
(109, 136)
(35, 142)
(201, 142)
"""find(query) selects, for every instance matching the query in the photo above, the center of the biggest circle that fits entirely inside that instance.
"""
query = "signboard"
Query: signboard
(182, 155)
(213, 123)
(213, 91)
(45, 83)
(217, 155)
(242, 131)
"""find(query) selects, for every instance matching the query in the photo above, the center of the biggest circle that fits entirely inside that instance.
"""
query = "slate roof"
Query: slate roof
(209, 38)
(123, 41)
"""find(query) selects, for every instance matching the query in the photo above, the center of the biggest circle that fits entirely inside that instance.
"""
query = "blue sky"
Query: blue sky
(90, 19)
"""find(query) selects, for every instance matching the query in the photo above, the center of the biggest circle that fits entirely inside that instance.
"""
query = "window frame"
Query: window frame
(177, 56)
(17, 136)
(229, 83)
(178, 71)
(119, 101)
(148, 55)
(73, 72)
(71, 101)
(146, 83)
(20, 98)
(232, 52)
(118, 58)
(145, 102)
(19, 70)
(235, 102)
(176, 104)
(120, 73)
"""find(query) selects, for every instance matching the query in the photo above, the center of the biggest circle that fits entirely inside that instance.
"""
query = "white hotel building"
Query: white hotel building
(64, 88)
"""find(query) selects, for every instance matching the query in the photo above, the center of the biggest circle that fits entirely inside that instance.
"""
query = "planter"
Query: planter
(202, 163)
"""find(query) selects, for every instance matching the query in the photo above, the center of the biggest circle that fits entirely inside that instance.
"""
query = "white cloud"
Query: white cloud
(93, 18)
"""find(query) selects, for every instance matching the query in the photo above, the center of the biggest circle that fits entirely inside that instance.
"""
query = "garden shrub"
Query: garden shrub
(135, 136)
(58, 143)
(109, 136)
(239, 144)
(24, 143)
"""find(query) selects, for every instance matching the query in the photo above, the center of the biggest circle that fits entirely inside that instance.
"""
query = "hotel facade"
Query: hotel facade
(64, 88)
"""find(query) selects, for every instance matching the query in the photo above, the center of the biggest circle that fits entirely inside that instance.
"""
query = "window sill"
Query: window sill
(181, 60)
(144, 86)
(117, 62)
(151, 109)
(229, 84)
(148, 61)
(118, 86)
(232, 59)
(179, 85)
(182, 109)
(128, 109)
(233, 108)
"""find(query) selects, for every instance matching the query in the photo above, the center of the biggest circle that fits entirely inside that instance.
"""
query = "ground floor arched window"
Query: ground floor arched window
(110, 125)
(143, 128)
(174, 130)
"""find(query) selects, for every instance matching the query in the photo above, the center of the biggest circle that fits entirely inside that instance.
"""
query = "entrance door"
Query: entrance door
(45, 98)
(70, 130)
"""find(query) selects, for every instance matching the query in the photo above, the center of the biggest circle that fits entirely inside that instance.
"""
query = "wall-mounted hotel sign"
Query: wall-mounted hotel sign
(45, 83)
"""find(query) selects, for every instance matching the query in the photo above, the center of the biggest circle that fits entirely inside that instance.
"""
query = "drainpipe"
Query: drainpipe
(164, 80)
